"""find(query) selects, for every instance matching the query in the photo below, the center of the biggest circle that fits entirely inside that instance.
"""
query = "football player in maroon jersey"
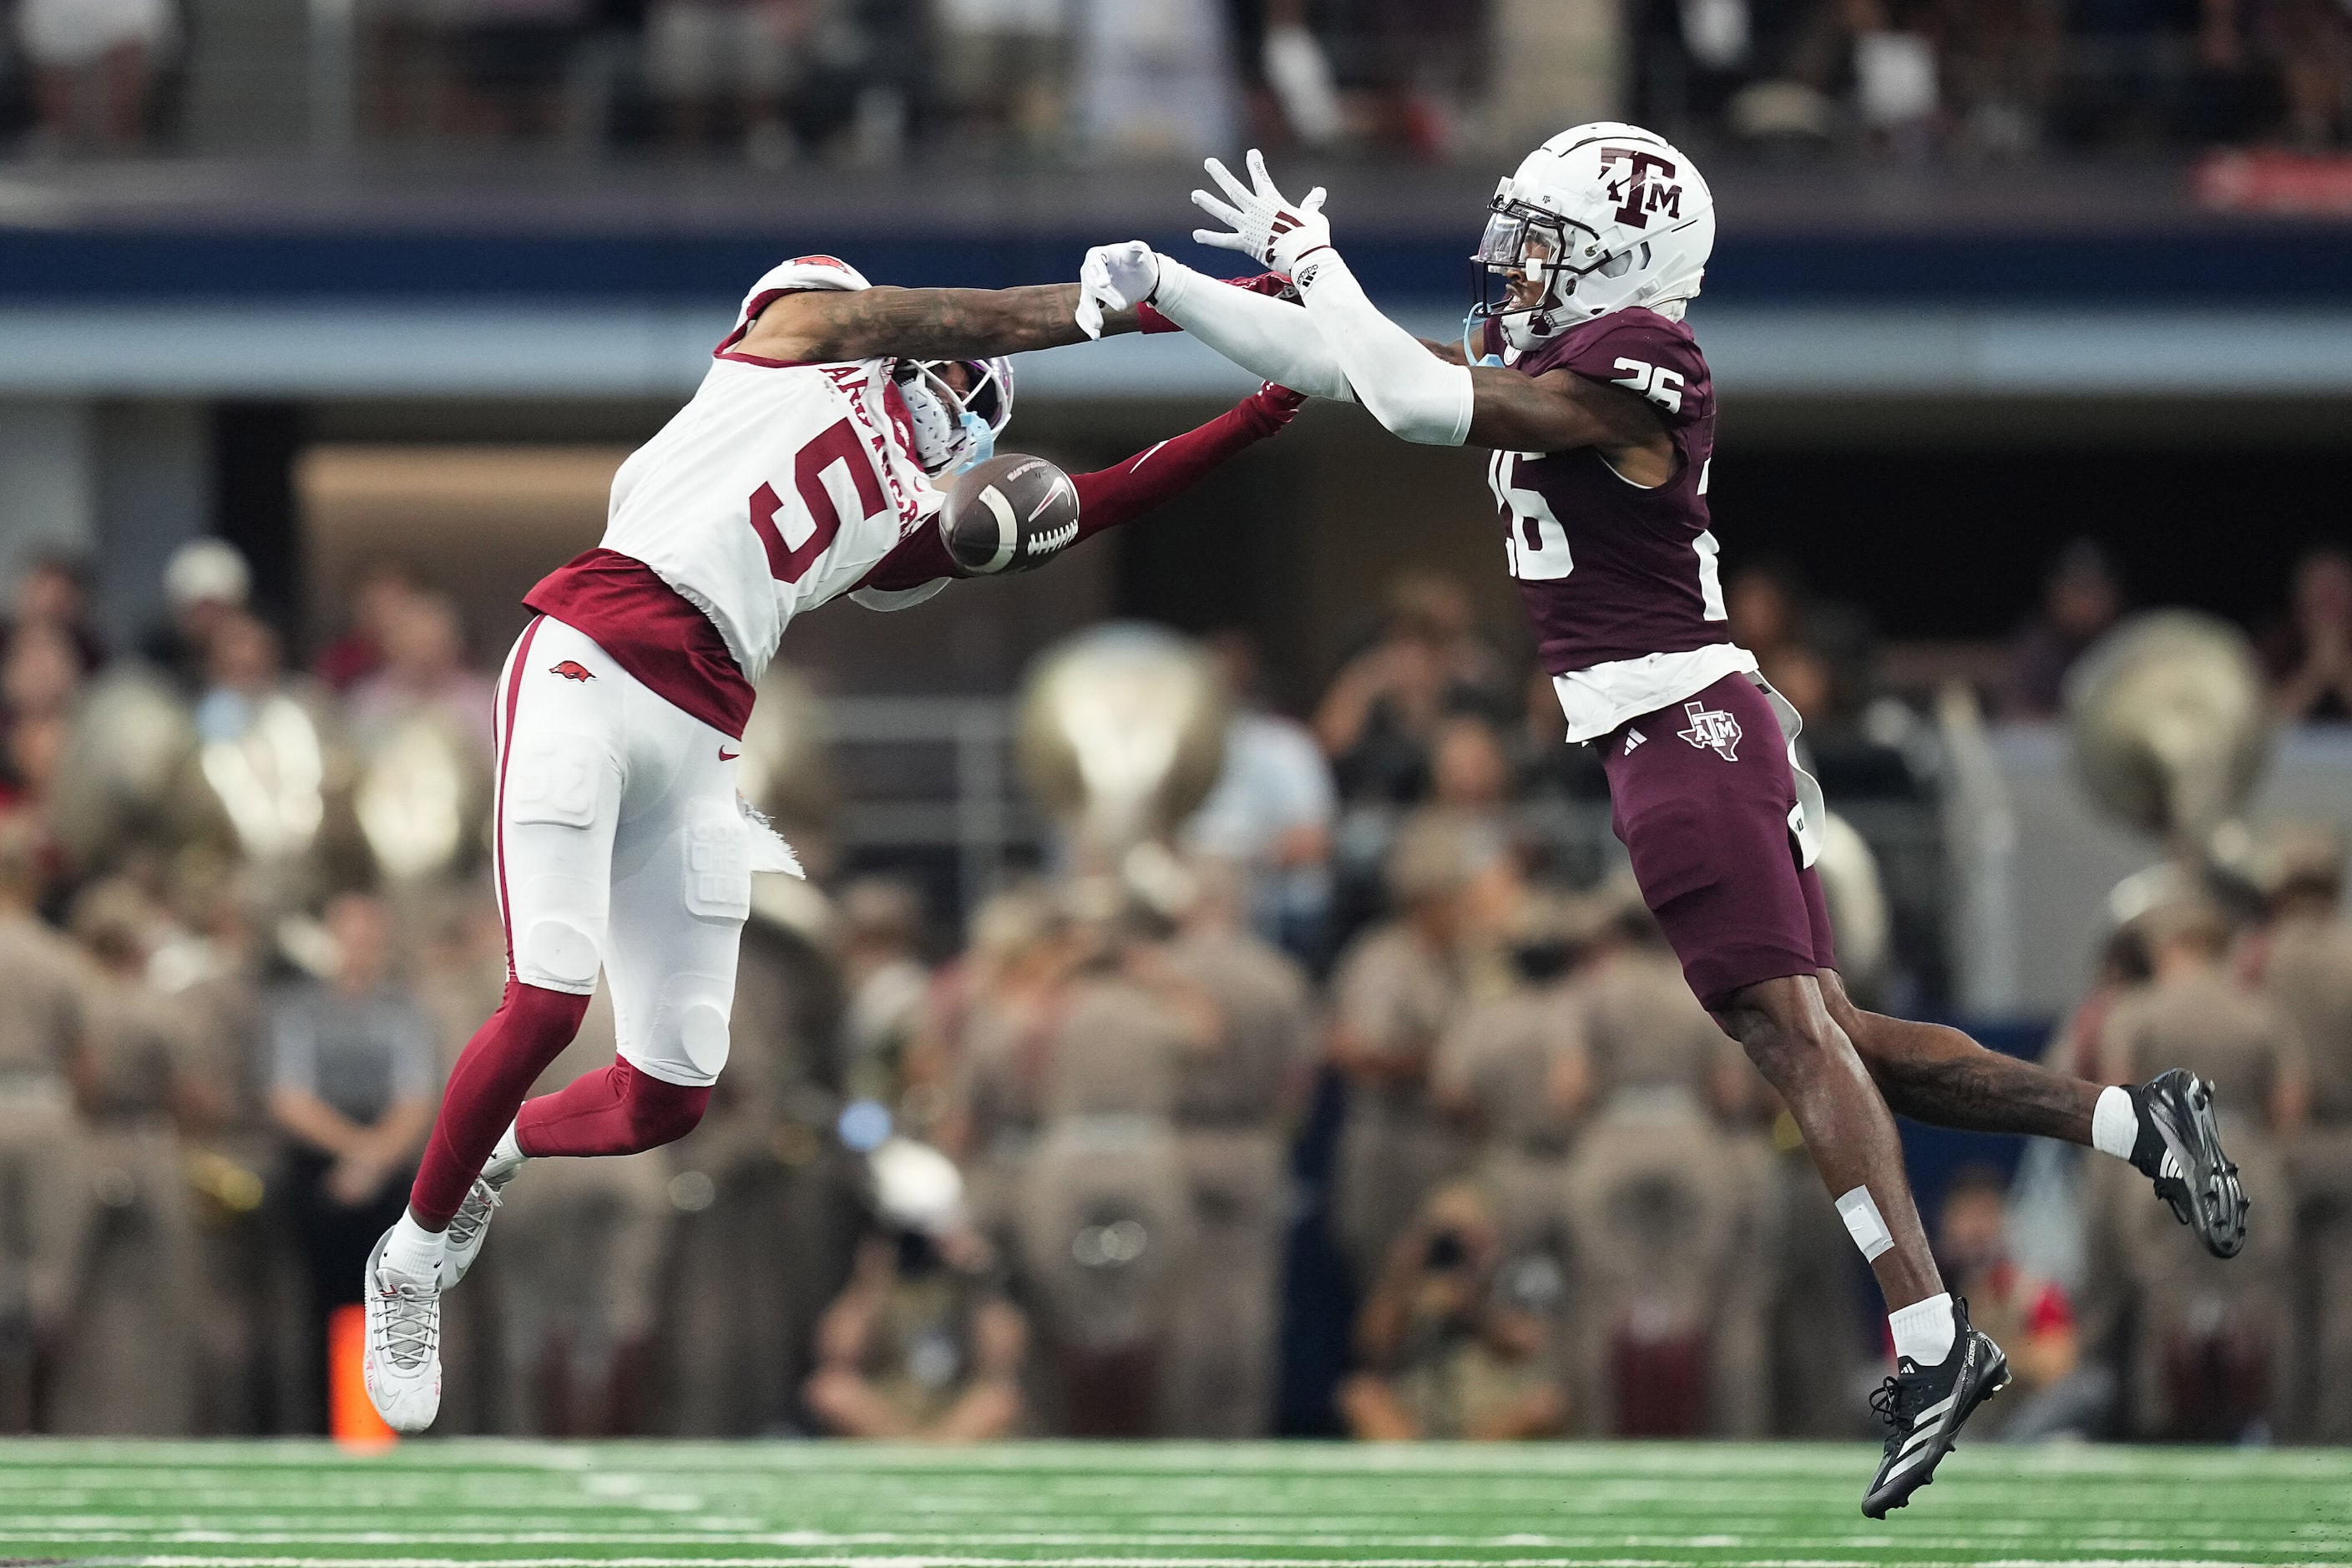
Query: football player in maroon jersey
(1589, 387)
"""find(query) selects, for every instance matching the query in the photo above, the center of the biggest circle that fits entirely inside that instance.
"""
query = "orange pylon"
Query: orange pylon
(351, 1419)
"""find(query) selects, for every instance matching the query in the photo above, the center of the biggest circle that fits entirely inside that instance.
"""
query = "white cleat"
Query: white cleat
(403, 1365)
(463, 1239)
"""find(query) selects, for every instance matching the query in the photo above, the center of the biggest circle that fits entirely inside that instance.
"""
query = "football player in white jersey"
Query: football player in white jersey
(805, 469)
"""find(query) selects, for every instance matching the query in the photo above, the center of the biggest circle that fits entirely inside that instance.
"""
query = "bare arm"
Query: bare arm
(1560, 410)
(824, 325)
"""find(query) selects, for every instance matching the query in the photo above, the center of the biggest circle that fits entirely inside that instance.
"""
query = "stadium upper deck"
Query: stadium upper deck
(373, 278)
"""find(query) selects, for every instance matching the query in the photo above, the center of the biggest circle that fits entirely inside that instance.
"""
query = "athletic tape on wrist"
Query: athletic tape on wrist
(1865, 1223)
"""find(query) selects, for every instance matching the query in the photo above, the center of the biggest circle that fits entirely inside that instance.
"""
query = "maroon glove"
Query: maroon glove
(1273, 285)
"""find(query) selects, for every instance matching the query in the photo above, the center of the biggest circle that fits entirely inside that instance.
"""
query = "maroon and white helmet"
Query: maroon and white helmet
(1606, 216)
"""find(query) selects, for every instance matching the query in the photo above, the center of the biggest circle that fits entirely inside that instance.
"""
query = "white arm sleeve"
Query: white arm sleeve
(1409, 390)
(1268, 338)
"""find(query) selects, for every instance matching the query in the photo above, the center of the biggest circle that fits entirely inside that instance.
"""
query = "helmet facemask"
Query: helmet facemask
(1539, 255)
(955, 428)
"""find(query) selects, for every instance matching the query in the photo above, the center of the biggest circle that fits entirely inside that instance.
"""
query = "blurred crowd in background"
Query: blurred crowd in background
(1362, 1114)
(773, 81)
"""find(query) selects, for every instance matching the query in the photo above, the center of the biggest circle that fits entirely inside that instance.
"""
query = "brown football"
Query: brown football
(1010, 513)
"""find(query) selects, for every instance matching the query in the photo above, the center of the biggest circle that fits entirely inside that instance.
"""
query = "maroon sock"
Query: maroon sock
(493, 1073)
(618, 1111)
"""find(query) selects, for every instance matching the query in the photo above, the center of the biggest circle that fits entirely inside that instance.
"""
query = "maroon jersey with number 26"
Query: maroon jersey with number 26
(1612, 571)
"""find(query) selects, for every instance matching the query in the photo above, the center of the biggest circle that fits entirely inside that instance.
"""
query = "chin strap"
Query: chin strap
(1474, 327)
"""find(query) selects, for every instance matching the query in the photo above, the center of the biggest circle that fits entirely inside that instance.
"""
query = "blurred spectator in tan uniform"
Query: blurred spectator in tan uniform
(127, 1365)
(575, 1273)
(1235, 1102)
(2302, 962)
(765, 1217)
(254, 1375)
(990, 1030)
(2212, 1351)
(1457, 1337)
(923, 1343)
(2053, 1393)
(1671, 1208)
(1103, 1214)
(1513, 1073)
(1397, 991)
(2310, 651)
(885, 980)
(425, 672)
(44, 1185)
(352, 1082)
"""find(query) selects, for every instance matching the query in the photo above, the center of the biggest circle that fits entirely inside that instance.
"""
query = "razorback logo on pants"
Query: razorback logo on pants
(571, 670)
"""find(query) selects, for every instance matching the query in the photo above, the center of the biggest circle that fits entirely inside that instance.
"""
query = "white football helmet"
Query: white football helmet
(1604, 216)
(954, 430)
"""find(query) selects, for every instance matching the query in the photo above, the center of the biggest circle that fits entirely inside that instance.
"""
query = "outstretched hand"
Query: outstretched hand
(1117, 277)
(1265, 224)
(1277, 405)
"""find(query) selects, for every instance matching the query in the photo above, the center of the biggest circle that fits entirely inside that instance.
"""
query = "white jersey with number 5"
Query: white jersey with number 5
(778, 486)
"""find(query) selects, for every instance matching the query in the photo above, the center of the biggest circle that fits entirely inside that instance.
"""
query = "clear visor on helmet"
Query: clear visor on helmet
(1529, 239)
(1537, 255)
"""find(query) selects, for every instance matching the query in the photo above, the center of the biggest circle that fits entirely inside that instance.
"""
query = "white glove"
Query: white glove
(1115, 276)
(1266, 227)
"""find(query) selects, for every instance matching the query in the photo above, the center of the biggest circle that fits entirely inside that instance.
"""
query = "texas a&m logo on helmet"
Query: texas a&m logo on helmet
(1645, 186)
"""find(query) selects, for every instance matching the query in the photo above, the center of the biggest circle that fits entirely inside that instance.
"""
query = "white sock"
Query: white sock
(507, 1155)
(2115, 1124)
(1924, 1331)
(413, 1251)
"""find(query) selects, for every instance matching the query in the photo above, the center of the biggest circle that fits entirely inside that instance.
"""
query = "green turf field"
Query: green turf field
(531, 1505)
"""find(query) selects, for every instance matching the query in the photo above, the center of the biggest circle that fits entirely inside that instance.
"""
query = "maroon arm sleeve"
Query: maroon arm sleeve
(1109, 497)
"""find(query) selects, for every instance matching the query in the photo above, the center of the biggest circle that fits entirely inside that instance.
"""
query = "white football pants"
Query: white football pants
(620, 845)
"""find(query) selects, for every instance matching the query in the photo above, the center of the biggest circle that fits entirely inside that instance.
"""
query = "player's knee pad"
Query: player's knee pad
(700, 1024)
(686, 1041)
(557, 954)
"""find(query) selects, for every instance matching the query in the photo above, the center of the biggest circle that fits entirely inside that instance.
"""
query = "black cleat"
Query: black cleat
(1923, 1407)
(2179, 1149)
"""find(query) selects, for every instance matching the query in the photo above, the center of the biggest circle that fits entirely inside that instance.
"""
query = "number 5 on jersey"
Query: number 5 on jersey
(819, 487)
(1537, 543)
